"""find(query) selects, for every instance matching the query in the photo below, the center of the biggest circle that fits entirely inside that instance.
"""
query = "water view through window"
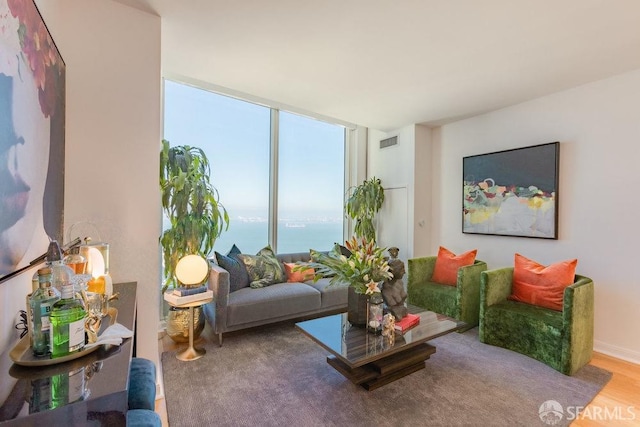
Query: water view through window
(235, 135)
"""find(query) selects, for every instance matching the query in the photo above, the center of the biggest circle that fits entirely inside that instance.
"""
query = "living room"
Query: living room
(114, 57)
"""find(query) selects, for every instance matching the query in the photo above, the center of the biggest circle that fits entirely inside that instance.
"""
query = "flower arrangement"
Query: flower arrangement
(363, 269)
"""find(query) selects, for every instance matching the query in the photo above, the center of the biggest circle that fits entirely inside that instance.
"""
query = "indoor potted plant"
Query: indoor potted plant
(191, 204)
(362, 204)
(364, 270)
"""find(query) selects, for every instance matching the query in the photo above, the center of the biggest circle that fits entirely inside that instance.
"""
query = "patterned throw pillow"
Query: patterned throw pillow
(238, 276)
(264, 268)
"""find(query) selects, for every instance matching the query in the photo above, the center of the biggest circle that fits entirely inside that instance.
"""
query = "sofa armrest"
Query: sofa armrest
(219, 283)
(577, 318)
(420, 270)
(495, 286)
(468, 291)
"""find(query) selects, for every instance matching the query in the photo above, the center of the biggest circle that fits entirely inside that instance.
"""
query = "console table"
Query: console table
(25, 391)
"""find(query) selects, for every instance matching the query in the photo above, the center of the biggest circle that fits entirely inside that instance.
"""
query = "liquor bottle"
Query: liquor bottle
(75, 261)
(67, 324)
(40, 304)
(68, 387)
(62, 273)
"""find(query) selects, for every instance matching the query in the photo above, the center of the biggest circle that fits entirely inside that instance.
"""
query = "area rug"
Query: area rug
(276, 376)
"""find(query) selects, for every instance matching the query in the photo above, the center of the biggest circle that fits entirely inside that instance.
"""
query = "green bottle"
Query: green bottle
(41, 303)
(67, 324)
(68, 387)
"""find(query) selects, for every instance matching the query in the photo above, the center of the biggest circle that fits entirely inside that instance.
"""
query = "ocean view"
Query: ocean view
(299, 235)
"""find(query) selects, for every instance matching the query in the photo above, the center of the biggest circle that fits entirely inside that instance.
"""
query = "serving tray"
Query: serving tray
(22, 355)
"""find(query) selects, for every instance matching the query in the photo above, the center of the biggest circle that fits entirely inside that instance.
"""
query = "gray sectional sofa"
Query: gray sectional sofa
(248, 307)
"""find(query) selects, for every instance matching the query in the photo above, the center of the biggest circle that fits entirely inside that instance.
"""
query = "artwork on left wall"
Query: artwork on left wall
(512, 192)
(32, 136)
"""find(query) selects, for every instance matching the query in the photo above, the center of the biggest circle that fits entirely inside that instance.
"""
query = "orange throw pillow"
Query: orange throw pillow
(536, 284)
(299, 275)
(448, 263)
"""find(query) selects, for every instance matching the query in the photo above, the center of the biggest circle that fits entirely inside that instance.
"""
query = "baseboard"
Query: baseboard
(617, 352)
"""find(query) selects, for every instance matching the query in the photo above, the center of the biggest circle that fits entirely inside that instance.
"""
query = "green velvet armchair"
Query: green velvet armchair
(462, 302)
(561, 339)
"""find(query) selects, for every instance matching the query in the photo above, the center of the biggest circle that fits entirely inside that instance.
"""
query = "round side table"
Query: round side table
(191, 353)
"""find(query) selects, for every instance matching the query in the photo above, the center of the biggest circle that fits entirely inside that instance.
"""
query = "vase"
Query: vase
(356, 308)
(178, 323)
(375, 313)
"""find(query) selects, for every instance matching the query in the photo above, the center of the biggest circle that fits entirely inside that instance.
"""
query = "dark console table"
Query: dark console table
(25, 391)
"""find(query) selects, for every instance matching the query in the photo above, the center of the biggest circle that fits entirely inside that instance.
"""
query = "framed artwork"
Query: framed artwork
(512, 192)
(32, 122)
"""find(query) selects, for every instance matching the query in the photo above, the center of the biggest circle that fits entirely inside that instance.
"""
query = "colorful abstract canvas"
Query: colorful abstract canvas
(512, 192)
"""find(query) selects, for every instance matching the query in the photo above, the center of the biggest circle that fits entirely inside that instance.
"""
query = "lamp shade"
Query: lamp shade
(192, 270)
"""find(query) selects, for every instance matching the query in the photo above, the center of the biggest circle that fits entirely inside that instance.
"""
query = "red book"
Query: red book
(407, 322)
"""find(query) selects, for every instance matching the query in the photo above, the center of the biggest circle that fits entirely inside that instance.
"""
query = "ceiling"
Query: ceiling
(385, 64)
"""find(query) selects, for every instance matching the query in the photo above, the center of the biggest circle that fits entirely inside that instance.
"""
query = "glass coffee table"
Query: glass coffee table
(373, 360)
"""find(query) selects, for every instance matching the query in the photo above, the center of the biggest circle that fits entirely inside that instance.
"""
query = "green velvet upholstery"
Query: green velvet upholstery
(461, 302)
(561, 339)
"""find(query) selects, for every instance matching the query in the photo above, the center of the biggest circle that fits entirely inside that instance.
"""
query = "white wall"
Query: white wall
(405, 171)
(113, 133)
(598, 128)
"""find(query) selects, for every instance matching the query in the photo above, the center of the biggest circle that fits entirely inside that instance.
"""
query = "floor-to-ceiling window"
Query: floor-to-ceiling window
(300, 200)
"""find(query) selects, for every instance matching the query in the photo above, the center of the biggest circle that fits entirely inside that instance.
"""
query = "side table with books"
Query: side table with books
(189, 301)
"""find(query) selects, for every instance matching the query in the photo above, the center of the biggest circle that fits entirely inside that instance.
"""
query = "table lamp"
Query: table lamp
(192, 270)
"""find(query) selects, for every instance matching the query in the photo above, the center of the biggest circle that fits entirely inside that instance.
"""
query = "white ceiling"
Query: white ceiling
(389, 63)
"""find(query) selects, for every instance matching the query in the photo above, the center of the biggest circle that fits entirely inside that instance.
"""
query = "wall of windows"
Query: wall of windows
(281, 176)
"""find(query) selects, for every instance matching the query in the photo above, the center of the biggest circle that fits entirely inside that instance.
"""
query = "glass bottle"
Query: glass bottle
(41, 303)
(75, 261)
(375, 313)
(68, 387)
(62, 273)
(67, 324)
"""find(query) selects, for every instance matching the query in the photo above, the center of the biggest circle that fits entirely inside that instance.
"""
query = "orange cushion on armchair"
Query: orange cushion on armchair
(447, 264)
(535, 284)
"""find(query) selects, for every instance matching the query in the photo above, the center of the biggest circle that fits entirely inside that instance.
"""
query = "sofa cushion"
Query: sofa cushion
(282, 299)
(332, 295)
(264, 268)
(300, 275)
(448, 263)
(533, 283)
(436, 297)
(527, 329)
(238, 276)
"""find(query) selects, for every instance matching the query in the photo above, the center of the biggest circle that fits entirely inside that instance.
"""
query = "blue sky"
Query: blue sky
(235, 136)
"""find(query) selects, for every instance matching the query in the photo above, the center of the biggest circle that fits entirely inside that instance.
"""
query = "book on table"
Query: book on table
(176, 300)
(182, 291)
(407, 322)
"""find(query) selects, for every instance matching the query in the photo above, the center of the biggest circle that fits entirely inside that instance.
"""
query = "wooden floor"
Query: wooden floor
(618, 404)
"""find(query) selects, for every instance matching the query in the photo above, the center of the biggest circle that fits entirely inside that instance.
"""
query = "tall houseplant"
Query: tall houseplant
(191, 204)
(362, 204)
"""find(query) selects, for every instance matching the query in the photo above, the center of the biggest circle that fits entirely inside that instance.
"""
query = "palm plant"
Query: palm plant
(191, 204)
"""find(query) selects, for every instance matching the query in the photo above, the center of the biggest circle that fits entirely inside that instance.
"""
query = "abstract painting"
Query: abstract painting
(512, 192)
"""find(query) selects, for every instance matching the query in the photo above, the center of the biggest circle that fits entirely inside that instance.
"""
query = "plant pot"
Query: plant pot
(356, 308)
(178, 323)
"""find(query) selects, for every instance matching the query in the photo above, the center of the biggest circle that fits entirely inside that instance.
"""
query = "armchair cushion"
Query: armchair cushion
(536, 284)
(448, 263)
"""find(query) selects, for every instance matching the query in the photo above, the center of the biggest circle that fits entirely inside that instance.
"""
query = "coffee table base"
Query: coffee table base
(385, 370)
